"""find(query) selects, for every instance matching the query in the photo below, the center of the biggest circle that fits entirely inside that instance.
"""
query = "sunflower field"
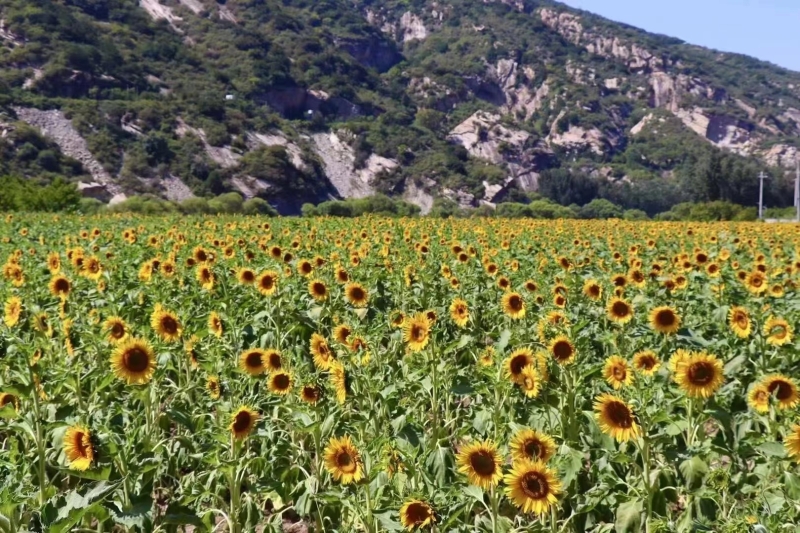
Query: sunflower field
(368, 375)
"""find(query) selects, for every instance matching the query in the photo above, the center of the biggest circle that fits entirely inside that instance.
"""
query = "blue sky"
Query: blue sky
(765, 29)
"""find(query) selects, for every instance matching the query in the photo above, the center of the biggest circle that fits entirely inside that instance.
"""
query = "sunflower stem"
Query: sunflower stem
(495, 504)
(39, 439)
(234, 486)
(646, 475)
(553, 519)
(434, 399)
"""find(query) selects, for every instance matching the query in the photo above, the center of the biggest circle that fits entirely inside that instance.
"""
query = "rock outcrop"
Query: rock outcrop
(339, 159)
(372, 51)
(295, 102)
(224, 156)
(55, 125)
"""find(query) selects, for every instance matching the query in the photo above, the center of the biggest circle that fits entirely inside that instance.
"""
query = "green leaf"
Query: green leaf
(733, 365)
(476, 493)
(388, 522)
(465, 339)
(693, 471)
(180, 515)
(629, 517)
(96, 474)
(772, 449)
(505, 336)
(8, 412)
(791, 484)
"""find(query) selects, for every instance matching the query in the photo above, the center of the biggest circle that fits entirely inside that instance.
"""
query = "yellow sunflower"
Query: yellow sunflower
(459, 312)
(530, 382)
(60, 286)
(783, 388)
(252, 361)
(323, 356)
(416, 514)
(699, 375)
(481, 463)
(792, 443)
(592, 289)
(416, 332)
(243, 420)
(756, 282)
(356, 294)
(532, 486)
(339, 381)
(215, 324)
(9, 399)
(318, 290)
(646, 362)
(777, 331)
(311, 394)
(246, 276)
(619, 311)
(342, 334)
(78, 447)
(280, 383)
(166, 324)
(665, 319)
(516, 362)
(562, 350)
(617, 373)
(513, 305)
(213, 387)
(739, 322)
(486, 357)
(615, 418)
(116, 329)
(758, 398)
(343, 460)
(12, 311)
(267, 282)
(133, 361)
(532, 445)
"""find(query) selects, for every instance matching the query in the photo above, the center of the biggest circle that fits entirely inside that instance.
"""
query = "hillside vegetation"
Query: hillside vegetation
(298, 101)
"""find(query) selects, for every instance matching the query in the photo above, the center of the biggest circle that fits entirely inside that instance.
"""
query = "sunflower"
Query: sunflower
(532, 486)
(530, 382)
(252, 361)
(42, 324)
(562, 350)
(318, 290)
(267, 282)
(343, 460)
(205, 277)
(784, 389)
(311, 394)
(215, 324)
(60, 286)
(513, 305)
(516, 362)
(756, 282)
(529, 444)
(323, 356)
(356, 294)
(342, 333)
(758, 398)
(615, 418)
(619, 311)
(272, 360)
(78, 447)
(530, 286)
(416, 332)
(416, 514)
(166, 324)
(9, 399)
(242, 422)
(486, 358)
(213, 387)
(338, 380)
(305, 268)
(280, 383)
(459, 312)
(481, 463)
(341, 275)
(133, 360)
(665, 319)
(617, 373)
(739, 322)
(699, 375)
(12, 311)
(792, 443)
(54, 262)
(246, 276)
(778, 331)
(116, 329)
(646, 362)
(592, 289)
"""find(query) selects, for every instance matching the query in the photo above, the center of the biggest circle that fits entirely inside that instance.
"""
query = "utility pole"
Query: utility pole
(761, 178)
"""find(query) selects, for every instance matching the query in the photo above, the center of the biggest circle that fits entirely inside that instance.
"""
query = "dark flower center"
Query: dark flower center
(619, 414)
(136, 359)
(534, 485)
(483, 463)
(701, 373)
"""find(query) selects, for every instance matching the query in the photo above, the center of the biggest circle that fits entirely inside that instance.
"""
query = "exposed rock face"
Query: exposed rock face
(417, 195)
(412, 28)
(435, 95)
(371, 52)
(194, 5)
(637, 129)
(249, 186)
(781, 155)
(484, 136)
(159, 11)
(292, 102)
(55, 125)
(723, 131)
(224, 156)
(278, 139)
(339, 161)
(578, 138)
(515, 82)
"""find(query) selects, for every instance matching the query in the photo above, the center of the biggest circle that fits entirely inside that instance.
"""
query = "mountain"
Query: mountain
(295, 101)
